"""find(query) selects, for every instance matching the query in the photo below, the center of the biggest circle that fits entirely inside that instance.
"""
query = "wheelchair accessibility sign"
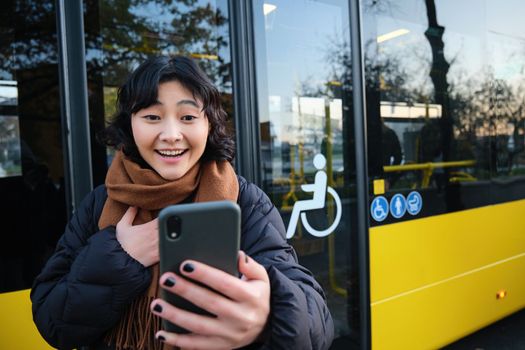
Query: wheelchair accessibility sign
(320, 189)
(379, 208)
(398, 206)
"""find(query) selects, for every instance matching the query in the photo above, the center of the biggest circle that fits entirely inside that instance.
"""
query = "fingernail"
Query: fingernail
(245, 258)
(157, 308)
(188, 267)
(169, 282)
(161, 338)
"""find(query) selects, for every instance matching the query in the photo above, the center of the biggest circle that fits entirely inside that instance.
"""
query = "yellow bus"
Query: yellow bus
(413, 110)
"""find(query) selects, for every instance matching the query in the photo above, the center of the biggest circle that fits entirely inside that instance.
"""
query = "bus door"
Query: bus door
(302, 51)
(33, 204)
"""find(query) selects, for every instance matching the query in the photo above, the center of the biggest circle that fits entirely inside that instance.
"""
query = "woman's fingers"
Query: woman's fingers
(224, 283)
(241, 307)
(139, 241)
(192, 341)
(153, 224)
(195, 323)
(251, 269)
(202, 297)
(128, 217)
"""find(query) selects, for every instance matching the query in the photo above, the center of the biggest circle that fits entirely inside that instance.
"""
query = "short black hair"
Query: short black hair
(140, 91)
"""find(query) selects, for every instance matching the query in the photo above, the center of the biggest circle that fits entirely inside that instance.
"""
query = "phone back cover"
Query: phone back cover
(209, 233)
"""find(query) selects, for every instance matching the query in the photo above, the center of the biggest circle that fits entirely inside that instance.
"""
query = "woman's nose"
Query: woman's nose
(171, 133)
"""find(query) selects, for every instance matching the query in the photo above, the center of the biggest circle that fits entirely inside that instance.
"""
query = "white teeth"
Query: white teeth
(171, 153)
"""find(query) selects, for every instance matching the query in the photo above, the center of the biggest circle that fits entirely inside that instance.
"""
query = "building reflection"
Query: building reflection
(467, 113)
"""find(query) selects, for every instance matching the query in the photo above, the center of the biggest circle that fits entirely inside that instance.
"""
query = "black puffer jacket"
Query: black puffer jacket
(90, 280)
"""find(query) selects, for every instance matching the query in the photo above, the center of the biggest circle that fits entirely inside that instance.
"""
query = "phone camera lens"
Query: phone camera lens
(173, 227)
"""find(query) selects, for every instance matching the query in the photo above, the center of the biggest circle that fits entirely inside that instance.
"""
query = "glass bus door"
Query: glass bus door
(303, 82)
(33, 204)
(32, 209)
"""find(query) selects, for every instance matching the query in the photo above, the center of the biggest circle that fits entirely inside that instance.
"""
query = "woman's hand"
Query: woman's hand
(141, 242)
(242, 311)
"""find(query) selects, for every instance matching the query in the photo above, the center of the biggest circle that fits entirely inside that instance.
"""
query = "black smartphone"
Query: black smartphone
(208, 232)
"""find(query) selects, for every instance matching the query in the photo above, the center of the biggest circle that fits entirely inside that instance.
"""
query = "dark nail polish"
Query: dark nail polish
(157, 308)
(188, 267)
(169, 282)
(245, 258)
(161, 338)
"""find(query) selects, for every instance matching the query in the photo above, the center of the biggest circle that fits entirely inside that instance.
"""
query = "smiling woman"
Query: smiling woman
(176, 103)
(171, 134)
(172, 147)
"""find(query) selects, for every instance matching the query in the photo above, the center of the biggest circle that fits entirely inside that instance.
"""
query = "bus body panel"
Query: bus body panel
(17, 330)
(436, 279)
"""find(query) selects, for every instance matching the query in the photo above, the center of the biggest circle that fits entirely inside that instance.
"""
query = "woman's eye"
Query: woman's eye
(151, 117)
(188, 118)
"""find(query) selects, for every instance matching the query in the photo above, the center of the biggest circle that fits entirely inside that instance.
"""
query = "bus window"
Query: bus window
(444, 102)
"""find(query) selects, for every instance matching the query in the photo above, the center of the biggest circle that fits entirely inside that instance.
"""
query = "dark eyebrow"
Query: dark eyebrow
(188, 102)
(181, 102)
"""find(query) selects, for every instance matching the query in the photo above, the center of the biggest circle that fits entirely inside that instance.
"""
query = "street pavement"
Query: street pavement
(507, 334)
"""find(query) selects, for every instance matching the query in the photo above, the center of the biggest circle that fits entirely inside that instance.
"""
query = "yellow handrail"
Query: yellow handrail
(330, 206)
(429, 165)
(428, 168)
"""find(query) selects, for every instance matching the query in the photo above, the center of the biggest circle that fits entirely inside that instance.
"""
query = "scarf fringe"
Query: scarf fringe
(136, 329)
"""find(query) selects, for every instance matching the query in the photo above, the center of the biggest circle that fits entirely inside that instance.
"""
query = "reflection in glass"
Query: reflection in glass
(122, 34)
(303, 87)
(32, 209)
(450, 88)
(450, 85)
(10, 158)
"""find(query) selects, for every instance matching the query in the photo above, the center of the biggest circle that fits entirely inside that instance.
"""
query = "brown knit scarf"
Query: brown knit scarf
(130, 185)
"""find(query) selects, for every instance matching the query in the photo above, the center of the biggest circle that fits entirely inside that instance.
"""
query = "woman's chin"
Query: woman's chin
(171, 175)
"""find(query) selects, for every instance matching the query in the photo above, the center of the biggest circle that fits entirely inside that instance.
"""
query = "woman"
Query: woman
(99, 289)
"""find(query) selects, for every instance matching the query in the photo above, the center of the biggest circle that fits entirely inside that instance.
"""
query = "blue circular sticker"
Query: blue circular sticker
(379, 208)
(398, 206)
(414, 203)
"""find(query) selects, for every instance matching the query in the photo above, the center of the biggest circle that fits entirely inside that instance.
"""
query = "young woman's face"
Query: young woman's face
(171, 134)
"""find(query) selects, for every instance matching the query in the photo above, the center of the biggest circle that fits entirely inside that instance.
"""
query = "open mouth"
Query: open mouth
(171, 154)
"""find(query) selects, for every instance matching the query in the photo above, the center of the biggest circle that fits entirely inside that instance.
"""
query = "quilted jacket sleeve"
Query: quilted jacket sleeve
(88, 281)
(299, 317)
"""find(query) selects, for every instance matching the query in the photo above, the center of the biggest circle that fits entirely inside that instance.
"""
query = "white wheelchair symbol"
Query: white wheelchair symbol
(319, 188)
(379, 208)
